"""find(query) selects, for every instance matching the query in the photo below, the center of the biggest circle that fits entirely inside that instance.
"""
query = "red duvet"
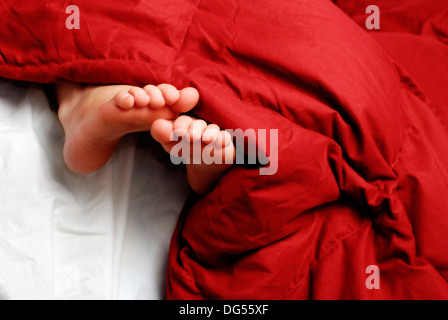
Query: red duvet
(359, 206)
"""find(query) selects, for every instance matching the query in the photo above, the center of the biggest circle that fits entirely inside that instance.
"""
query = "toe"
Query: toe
(156, 97)
(141, 98)
(124, 100)
(210, 134)
(223, 139)
(188, 99)
(162, 131)
(196, 129)
(170, 93)
(181, 125)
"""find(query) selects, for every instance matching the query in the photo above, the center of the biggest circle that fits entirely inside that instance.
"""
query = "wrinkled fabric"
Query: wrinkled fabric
(362, 147)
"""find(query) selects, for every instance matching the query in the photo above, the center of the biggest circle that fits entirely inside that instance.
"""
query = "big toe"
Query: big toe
(161, 130)
(188, 99)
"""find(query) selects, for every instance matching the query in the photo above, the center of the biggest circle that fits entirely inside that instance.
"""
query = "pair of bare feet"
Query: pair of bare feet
(95, 118)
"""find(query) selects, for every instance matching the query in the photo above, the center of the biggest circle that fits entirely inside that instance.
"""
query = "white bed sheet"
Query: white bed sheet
(66, 236)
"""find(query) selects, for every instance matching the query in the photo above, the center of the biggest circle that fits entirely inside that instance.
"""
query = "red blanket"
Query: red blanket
(358, 208)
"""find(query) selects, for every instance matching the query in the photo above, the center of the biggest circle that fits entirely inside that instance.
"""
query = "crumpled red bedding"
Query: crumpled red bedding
(358, 208)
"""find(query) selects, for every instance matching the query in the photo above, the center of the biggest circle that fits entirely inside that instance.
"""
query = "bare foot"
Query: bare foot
(217, 152)
(95, 118)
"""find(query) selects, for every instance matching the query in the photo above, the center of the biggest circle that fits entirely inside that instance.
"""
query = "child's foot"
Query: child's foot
(217, 152)
(95, 118)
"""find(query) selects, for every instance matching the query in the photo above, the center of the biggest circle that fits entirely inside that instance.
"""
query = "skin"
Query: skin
(95, 118)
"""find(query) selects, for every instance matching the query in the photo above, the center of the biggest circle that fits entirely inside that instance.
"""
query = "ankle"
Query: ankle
(68, 95)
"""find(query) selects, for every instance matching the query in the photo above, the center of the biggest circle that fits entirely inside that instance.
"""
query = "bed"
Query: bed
(356, 210)
(66, 236)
